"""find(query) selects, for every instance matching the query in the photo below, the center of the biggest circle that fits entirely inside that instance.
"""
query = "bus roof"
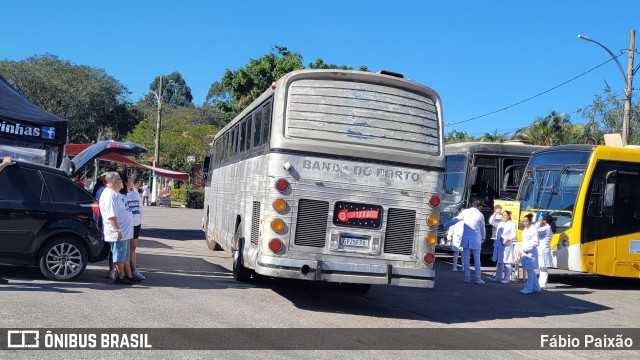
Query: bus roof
(470, 148)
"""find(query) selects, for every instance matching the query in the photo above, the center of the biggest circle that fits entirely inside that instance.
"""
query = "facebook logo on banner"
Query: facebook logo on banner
(48, 132)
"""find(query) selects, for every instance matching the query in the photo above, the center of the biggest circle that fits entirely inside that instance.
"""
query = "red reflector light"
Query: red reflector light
(434, 200)
(429, 258)
(95, 207)
(275, 245)
(282, 185)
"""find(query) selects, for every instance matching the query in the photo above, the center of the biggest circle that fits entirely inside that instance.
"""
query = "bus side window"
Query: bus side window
(266, 123)
(627, 198)
(233, 145)
(596, 197)
(227, 147)
(242, 137)
(257, 126)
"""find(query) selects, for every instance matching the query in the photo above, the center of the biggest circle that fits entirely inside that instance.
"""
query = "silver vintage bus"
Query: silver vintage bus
(330, 175)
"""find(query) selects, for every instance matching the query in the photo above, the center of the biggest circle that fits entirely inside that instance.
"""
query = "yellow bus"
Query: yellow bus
(593, 194)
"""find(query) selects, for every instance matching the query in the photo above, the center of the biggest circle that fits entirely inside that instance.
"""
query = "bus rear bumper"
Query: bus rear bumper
(346, 271)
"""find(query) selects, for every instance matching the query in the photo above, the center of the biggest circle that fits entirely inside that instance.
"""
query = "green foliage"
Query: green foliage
(320, 64)
(179, 194)
(175, 92)
(91, 100)
(238, 88)
(604, 116)
(458, 137)
(182, 135)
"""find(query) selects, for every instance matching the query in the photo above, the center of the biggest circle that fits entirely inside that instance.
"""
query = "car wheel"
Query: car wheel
(63, 259)
(240, 272)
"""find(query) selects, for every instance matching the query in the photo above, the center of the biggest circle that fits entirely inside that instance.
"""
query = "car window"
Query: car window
(62, 189)
(17, 183)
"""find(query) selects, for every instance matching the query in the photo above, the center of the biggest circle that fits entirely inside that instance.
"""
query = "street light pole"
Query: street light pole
(156, 159)
(628, 80)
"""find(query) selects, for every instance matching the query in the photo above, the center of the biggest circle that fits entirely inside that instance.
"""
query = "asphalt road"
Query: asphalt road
(189, 286)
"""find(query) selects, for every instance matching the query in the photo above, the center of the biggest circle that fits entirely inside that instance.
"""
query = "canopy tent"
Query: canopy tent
(28, 132)
(74, 149)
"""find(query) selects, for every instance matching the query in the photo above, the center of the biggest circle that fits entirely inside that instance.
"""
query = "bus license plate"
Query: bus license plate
(354, 241)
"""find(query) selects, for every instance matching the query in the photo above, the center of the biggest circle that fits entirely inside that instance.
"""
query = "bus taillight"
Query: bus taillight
(282, 185)
(429, 258)
(280, 205)
(431, 239)
(275, 245)
(434, 200)
(277, 225)
(433, 220)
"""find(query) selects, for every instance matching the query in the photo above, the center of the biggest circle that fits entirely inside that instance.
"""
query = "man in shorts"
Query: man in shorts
(117, 227)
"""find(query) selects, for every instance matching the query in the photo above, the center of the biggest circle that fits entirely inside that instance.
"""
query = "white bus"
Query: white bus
(330, 175)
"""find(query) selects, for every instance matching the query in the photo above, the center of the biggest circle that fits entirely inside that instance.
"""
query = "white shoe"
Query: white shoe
(494, 279)
(505, 281)
(525, 291)
(112, 274)
(479, 282)
(455, 270)
(139, 276)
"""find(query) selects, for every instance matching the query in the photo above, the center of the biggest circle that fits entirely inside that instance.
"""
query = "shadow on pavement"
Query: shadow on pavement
(465, 303)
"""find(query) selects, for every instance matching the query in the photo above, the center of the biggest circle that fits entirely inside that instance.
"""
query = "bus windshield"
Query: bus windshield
(552, 190)
(454, 179)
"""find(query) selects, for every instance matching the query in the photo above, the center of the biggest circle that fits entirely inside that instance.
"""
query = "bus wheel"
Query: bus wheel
(240, 272)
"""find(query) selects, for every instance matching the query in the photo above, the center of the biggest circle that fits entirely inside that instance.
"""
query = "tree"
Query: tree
(547, 131)
(604, 116)
(458, 136)
(320, 64)
(92, 101)
(182, 135)
(175, 92)
(238, 88)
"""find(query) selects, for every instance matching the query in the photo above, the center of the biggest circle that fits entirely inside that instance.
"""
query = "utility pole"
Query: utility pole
(628, 81)
(628, 89)
(156, 159)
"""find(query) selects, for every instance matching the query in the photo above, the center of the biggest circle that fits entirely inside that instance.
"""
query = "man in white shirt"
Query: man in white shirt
(117, 226)
(472, 237)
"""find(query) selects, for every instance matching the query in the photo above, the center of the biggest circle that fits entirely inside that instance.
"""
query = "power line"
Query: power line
(532, 97)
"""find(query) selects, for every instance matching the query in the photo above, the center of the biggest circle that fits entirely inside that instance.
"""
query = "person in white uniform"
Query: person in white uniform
(503, 248)
(454, 236)
(546, 228)
(472, 235)
(529, 254)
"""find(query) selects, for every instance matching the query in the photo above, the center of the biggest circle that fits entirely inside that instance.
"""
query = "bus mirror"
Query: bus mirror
(610, 189)
(473, 175)
(609, 195)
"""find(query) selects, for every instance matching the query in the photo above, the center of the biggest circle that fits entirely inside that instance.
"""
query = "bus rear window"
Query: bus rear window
(365, 114)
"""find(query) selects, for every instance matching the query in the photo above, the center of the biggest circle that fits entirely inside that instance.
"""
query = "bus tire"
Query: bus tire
(240, 272)
(211, 244)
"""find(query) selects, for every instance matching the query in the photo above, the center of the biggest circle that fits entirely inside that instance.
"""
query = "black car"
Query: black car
(46, 219)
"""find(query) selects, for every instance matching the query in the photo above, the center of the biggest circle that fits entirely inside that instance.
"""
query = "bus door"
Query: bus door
(622, 203)
(511, 177)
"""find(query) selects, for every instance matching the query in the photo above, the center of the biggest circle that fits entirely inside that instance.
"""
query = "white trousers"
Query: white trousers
(544, 276)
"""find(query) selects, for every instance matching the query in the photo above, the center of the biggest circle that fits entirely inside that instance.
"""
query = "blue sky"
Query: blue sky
(480, 56)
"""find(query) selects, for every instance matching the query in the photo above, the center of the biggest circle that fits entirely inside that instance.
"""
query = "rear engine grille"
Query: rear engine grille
(255, 223)
(311, 227)
(400, 232)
